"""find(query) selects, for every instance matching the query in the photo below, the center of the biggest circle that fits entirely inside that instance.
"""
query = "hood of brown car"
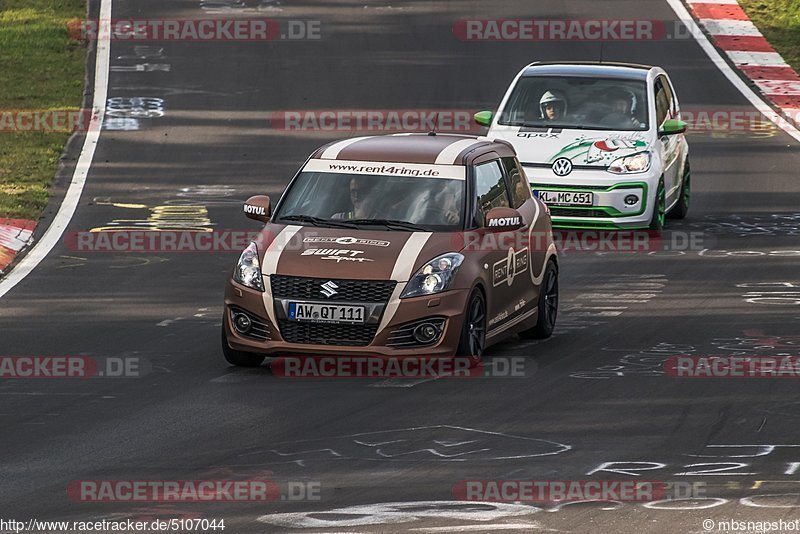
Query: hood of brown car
(348, 254)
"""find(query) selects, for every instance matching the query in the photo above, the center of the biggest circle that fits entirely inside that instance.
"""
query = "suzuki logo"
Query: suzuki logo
(329, 289)
(562, 167)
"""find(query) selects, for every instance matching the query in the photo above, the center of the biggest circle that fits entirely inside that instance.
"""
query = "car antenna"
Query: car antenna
(435, 120)
(601, 51)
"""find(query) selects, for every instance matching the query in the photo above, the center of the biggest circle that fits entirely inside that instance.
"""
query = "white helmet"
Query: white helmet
(550, 97)
(623, 93)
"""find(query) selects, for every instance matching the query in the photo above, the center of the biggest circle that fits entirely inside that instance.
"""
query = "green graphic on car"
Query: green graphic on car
(599, 151)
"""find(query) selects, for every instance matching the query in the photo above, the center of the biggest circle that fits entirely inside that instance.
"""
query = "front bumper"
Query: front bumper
(448, 306)
(609, 209)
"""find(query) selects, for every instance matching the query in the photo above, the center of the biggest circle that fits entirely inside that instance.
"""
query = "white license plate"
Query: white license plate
(566, 198)
(325, 313)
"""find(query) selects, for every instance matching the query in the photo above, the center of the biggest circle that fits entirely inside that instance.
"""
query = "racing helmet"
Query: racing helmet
(551, 97)
(623, 93)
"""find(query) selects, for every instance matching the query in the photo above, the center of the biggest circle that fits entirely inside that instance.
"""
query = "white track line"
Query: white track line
(729, 73)
(67, 209)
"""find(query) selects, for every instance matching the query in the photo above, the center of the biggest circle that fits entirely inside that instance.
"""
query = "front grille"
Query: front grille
(565, 187)
(355, 335)
(572, 212)
(259, 329)
(295, 287)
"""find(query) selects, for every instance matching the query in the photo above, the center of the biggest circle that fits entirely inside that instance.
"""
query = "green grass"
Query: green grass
(779, 21)
(41, 68)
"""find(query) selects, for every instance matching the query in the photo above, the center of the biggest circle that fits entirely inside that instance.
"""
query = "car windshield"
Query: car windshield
(577, 103)
(391, 202)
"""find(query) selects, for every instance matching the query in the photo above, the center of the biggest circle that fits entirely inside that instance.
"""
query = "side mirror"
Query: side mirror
(258, 208)
(484, 118)
(672, 127)
(503, 220)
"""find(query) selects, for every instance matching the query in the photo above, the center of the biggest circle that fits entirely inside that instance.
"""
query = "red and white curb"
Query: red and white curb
(732, 31)
(15, 234)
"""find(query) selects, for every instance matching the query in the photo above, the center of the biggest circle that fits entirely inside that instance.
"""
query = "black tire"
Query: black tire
(681, 208)
(659, 207)
(473, 333)
(548, 305)
(238, 357)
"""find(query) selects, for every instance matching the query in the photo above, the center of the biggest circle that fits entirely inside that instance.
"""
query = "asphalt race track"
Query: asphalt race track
(592, 394)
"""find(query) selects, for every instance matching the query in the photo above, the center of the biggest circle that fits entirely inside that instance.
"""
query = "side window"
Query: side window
(670, 98)
(519, 188)
(490, 189)
(662, 104)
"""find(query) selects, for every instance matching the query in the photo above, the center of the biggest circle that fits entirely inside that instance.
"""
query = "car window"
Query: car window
(577, 102)
(518, 184)
(662, 103)
(490, 189)
(435, 203)
(670, 97)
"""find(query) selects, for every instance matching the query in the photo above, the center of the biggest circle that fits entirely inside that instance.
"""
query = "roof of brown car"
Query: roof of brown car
(445, 149)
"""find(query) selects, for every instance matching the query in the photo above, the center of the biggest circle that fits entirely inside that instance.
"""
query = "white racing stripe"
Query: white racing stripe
(333, 151)
(270, 265)
(65, 212)
(450, 153)
(729, 73)
(402, 271)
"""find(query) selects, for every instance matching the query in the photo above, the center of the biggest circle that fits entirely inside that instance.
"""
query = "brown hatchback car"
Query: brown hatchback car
(407, 244)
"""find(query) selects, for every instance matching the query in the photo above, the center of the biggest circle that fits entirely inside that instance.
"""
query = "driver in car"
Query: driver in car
(359, 191)
(622, 104)
(552, 106)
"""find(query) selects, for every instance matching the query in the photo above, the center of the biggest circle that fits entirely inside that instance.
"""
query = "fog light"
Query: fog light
(630, 200)
(242, 323)
(425, 333)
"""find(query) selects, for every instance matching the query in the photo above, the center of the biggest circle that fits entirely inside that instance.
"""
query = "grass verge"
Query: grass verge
(42, 69)
(779, 21)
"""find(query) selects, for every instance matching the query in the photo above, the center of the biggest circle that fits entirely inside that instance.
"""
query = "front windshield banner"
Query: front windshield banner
(451, 172)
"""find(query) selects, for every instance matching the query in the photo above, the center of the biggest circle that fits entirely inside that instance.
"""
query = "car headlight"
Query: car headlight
(248, 270)
(631, 164)
(435, 276)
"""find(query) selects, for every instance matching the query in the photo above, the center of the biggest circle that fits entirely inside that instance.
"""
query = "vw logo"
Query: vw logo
(562, 167)
(329, 289)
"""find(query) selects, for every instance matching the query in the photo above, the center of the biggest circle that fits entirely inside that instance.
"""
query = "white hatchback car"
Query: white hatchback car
(602, 144)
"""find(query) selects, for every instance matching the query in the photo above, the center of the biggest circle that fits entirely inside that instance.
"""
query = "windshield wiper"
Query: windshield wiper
(318, 221)
(390, 223)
